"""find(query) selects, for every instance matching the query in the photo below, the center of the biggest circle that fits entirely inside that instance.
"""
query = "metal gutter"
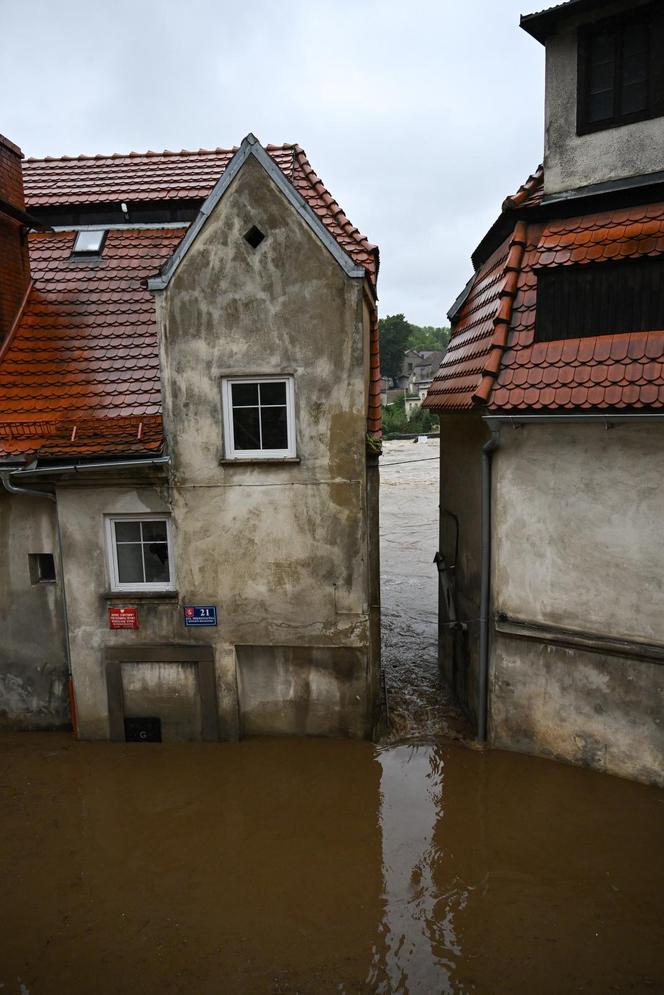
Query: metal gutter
(125, 226)
(22, 216)
(607, 419)
(81, 467)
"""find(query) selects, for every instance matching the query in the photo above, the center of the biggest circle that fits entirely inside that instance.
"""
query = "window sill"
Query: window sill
(258, 460)
(132, 597)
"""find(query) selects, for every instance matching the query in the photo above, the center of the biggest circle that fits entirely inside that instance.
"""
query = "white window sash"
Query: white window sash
(231, 452)
(112, 554)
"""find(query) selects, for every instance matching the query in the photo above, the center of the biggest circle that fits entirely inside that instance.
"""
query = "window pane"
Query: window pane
(601, 106)
(156, 563)
(154, 531)
(245, 428)
(128, 531)
(245, 393)
(601, 77)
(634, 93)
(89, 241)
(130, 563)
(275, 430)
(273, 393)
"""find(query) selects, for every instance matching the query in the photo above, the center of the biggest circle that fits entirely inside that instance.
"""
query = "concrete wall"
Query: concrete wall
(461, 439)
(578, 544)
(33, 669)
(282, 549)
(572, 160)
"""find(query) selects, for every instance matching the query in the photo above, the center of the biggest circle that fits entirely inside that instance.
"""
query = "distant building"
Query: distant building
(551, 402)
(189, 429)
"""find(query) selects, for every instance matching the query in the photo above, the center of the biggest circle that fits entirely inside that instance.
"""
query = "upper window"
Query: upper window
(139, 553)
(575, 302)
(259, 418)
(89, 242)
(620, 80)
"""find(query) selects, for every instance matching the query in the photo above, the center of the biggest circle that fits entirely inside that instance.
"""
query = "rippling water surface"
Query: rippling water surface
(282, 866)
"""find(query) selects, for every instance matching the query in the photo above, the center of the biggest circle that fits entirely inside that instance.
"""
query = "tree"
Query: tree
(428, 337)
(394, 333)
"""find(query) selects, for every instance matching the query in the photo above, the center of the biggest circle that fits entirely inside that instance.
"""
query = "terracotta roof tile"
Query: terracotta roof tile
(80, 374)
(601, 372)
(84, 353)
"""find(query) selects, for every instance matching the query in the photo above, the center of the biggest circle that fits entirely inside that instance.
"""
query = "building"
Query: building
(189, 435)
(551, 402)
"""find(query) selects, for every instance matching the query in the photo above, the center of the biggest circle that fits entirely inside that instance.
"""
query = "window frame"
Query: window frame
(231, 452)
(89, 253)
(112, 553)
(616, 25)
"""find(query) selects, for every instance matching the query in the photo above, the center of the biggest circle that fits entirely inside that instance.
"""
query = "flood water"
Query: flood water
(419, 705)
(312, 866)
(273, 867)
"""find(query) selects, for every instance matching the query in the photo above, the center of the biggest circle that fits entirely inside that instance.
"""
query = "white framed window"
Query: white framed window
(140, 552)
(259, 417)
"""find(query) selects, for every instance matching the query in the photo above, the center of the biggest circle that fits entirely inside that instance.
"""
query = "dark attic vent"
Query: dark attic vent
(254, 237)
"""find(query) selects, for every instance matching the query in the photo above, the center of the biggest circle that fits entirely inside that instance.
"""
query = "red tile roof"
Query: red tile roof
(84, 356)
(149, 176)
(492, 358)
(79, 376)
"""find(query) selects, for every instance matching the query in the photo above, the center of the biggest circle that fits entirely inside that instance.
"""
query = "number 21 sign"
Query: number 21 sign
(200, 615)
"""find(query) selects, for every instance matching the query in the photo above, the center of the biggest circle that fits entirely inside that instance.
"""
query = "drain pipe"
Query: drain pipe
(485, 584)
(11, 488)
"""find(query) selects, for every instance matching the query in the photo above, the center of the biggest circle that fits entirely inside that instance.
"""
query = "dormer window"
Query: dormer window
(619, 78)
(89, 242)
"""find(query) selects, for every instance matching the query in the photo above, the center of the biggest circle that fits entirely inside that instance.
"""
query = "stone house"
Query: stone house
(189, 437)
(551, 404)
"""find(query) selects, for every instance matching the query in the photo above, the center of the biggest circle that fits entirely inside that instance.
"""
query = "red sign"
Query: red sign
(123, 618)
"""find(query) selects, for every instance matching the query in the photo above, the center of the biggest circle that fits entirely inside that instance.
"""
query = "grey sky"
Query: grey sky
(419, 116)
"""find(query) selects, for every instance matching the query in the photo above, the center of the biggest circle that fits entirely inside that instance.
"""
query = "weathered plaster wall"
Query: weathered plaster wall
(461, 439)
(282, 549)
(578, 543)
(33, 669)
(572, 160)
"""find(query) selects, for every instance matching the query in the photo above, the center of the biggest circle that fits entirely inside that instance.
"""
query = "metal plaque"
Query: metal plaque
(123, 618)
(200, 615)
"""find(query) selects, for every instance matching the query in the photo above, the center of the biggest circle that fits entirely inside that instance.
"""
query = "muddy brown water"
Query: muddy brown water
(275, 867)
(312, 866)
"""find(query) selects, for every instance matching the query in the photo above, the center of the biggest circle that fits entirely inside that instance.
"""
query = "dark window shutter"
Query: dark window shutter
(576, 302)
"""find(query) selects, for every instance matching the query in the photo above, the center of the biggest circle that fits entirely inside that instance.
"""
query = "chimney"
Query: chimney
(14, 259)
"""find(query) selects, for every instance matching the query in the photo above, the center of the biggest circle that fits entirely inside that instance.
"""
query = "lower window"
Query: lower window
(259, 420)
(139, 552)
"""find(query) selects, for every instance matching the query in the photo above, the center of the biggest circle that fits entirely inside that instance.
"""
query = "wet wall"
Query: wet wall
(33, 668)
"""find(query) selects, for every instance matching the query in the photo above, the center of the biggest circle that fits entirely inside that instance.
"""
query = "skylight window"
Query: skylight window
(89, 242)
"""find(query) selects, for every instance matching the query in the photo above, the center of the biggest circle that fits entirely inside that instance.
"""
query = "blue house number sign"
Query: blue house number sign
(200, 615)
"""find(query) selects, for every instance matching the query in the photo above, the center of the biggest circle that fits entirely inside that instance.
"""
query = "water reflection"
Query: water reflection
(411, 792)
(284, 866)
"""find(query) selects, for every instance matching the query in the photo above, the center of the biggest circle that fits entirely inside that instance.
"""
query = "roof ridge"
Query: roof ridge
(164, 153)
(337, 212)
(526, 190)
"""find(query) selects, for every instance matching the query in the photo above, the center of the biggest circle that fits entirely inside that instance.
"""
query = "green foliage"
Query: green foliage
(397, 335)
(395, 421)
(428, 337)
(394, 332)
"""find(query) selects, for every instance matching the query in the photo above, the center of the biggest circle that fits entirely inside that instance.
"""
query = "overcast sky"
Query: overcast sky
(419, 115)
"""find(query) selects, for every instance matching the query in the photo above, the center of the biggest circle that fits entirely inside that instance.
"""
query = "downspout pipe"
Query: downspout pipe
(12, 488)
(485, 584)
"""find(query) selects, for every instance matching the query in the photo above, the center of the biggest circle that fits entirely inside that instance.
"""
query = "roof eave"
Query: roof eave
(543, 23)
(252, 147)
